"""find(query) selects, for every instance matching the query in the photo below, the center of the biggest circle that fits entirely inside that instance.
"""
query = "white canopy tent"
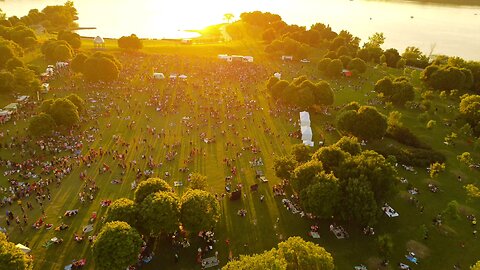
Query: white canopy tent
(98, 42)
(307, 133)
(309, 143)
(248, 59)
(277, 75)
(158, 76)
(183, 77)
(173, 76)
(304, 119)
(23, 248)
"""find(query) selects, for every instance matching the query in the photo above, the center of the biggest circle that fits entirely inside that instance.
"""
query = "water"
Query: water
(445, 29)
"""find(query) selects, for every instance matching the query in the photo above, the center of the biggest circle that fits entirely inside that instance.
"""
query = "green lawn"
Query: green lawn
(259, 230)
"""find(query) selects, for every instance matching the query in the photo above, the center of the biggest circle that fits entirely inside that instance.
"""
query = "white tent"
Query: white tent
(183, 77)
(307, 133)
(49, 70)
(309, 143)
(23, 248)
(173, 76)
(45, 87)
(61, 65)
(248, 59)
(158, 76)
(98, 42)
(277, 75)
(287, 57)
(304, 119)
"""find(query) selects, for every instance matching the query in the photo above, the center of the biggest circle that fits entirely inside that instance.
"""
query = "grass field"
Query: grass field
(259, 230)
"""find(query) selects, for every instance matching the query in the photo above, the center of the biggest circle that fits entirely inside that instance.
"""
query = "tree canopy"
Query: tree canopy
(117, 246)
(365, 123)
(41, 125)
(12, 257)
(131, 42)
(200, 211)
(294, 253)
(100, 67)
(159, 213)
(398, 91)
(122, 209)
(150, 186)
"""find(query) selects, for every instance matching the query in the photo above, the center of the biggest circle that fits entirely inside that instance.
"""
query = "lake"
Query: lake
(443, 29)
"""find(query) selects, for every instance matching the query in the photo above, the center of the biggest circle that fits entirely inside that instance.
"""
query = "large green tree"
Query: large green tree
(41, 125)
(150, 186)
(64, 112)
(284, 166)
(101, 67)
(321, 198)
(131, 42)
(122, 209)
(366, 123)
(116, 247)
(159, 213)
(12, 257)
(199, 211)
(301, 254)
(197, 181)
(306, 174)
(358, 203)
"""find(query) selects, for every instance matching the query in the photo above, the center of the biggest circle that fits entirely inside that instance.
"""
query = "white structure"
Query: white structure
(183, 77)
(173, 76)
(309, 143)
(45, 88)
(248, 59)
(49, 70)
(98, 42)
(305, 61)
(287, 58)
(223, 56)
(4, 116)
(304, 119)
(277, 75)
(158, 76)
(59, 65)
(23, 99)
(307, 133)
(237, 58)
(23, 248)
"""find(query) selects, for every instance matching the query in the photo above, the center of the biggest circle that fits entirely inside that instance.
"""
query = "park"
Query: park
(194, 154)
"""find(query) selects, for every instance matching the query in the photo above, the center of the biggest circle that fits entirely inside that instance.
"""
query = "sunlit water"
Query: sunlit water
(447, 29)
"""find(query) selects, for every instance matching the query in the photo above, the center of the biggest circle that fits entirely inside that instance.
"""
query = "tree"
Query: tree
(131, 42)
(12, 257)
(72, 38)
(476, 266)
(197, 181)
(335, 68)
(60, 17)
(41, 125)
(392, 57)
(13, 63)
(77, 101)
(305, 175)
(294, 253)
(375, 41)
(78, 63)
(358, 203)
(228, 17)
(266, 260)
(465, 158)
(7, 83)
(159, 213)
(25, 80)
(8, 50)
(301, 153)
(150, 186)
(323, 64)
(366, 123)
(323, 93)
(331, 157)
(473, 191)
(284, 166)
(470, 109)
(117, 246)
(57, 50)
(321, 198)
(101, 67)
(64, 112)
(436, 168)
(200, 211)
(269, 35)
(358, 65)
(301, 254)
(122, 209)
(349, 145)
(385, 246)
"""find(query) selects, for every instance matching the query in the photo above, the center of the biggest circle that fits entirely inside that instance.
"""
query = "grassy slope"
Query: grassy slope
(258, 230)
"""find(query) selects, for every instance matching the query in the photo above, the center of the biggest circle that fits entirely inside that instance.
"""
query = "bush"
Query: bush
(405, 136)
(410, 156)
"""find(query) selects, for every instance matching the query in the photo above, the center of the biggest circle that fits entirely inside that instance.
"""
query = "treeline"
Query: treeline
(301, 92)
(52, 18)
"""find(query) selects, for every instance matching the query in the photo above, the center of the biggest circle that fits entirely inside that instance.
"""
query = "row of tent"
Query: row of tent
(307, 133)
(7, 111)
(235, 58)
(161, 76)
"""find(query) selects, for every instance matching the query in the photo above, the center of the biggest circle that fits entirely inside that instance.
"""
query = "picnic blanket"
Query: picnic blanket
(177, 184)
(315, 235)
(390, 212)
(88, 228)
(210, 262)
